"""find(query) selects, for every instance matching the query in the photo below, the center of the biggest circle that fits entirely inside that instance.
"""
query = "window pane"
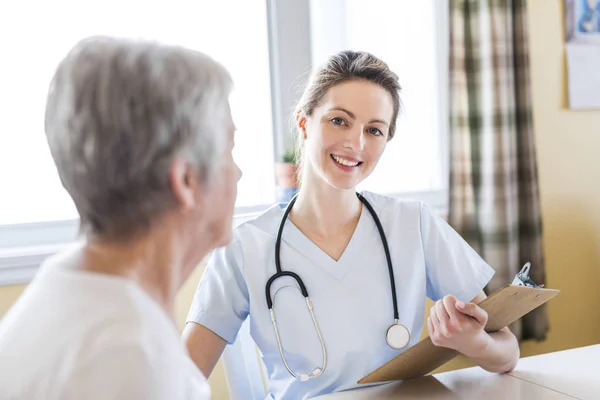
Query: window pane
(404, 34)
(33, 42)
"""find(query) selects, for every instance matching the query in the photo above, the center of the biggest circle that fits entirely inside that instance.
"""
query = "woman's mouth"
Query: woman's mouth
(344, 162)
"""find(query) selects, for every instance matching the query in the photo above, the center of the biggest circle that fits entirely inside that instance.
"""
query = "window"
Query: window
(411, 37)
(268, 46)
(33, 42)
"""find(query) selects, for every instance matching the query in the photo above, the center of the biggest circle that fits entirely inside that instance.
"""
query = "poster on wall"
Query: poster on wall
(582, 38)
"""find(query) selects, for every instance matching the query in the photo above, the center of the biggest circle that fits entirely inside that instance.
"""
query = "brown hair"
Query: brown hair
(343, 67)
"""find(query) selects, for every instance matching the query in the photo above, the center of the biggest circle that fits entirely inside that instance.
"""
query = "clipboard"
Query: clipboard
(504, 306)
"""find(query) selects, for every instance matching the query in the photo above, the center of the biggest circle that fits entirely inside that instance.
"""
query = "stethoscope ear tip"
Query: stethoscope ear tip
(315, 373)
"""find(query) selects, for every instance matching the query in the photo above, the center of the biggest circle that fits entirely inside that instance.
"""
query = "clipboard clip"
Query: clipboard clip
(523, 279)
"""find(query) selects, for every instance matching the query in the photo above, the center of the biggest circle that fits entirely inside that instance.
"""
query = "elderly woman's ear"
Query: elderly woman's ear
(184, 183)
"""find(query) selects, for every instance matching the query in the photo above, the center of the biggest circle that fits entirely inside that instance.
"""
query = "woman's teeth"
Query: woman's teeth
(344, 162)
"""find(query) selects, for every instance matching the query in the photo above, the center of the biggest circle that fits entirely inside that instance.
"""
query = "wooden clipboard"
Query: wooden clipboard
(504, 306)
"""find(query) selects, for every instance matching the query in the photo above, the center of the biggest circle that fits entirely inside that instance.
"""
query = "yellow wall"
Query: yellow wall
(8, 294)
(217, 381)
(568, 145)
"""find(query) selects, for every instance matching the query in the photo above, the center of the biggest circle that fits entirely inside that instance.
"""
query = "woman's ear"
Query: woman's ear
(301, 123)
(184, 184)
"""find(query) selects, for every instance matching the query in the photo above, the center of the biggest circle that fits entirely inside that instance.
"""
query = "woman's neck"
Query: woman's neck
(328, 211)
(152, 262)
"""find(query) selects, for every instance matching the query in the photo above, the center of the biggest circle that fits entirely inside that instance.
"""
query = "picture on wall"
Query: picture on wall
(582, 21)
(582, 43)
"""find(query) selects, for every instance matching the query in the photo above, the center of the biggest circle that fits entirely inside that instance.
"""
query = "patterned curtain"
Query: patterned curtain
(494, 199)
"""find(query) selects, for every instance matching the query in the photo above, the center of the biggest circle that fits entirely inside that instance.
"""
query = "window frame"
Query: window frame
(23, 247)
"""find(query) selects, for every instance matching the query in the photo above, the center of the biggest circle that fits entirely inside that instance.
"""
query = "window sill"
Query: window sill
(24, 247)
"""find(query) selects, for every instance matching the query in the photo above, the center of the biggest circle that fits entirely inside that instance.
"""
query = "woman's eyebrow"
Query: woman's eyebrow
(351, 114)
(379, 121)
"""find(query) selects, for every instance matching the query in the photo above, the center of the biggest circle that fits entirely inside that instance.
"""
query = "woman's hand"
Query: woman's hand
(459, 326)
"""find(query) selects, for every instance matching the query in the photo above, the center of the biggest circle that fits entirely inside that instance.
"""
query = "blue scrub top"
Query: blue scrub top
(351, 297)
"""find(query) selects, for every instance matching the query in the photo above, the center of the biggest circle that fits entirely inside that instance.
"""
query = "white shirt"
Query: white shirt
(351, 297)
(81, 335)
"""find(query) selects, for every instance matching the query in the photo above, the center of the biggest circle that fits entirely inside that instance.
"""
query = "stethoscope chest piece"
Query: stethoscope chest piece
(397, 336)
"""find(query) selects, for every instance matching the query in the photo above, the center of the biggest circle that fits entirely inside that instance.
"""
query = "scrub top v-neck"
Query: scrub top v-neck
(298, 240)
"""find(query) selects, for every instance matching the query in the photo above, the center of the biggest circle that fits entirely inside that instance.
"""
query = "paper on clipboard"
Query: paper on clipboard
(504, 307)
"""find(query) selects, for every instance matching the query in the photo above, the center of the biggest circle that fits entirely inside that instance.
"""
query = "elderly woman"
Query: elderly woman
(141, 135)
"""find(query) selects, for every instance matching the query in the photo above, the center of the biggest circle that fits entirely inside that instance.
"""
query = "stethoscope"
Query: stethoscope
(397, 336)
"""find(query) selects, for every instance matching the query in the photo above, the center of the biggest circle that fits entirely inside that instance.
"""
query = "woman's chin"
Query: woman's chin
(343, 183)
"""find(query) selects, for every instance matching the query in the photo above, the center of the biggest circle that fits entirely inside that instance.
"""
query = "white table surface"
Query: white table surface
(575, 372)
(569, 374)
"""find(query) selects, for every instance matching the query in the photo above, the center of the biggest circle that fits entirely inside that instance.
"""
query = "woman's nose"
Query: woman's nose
(239, 172)
(355, 139)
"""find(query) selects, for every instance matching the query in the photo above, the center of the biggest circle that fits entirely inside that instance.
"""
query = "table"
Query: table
(569, 374)
(574, 372)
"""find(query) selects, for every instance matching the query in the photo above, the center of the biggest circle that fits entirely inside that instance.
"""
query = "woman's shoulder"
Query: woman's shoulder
(393, 204)
(265, 222)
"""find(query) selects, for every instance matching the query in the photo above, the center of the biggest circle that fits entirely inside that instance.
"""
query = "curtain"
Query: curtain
(494, 198)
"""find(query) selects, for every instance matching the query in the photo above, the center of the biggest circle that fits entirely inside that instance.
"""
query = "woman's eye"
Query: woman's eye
(375, 131)
(337, 121)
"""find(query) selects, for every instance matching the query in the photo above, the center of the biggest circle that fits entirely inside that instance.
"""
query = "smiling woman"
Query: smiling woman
(346, 135)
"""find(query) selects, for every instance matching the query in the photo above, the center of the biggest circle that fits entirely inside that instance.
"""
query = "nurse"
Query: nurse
(355, 269)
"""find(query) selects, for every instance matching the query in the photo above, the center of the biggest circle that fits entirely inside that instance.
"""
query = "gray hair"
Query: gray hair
(118, 113)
